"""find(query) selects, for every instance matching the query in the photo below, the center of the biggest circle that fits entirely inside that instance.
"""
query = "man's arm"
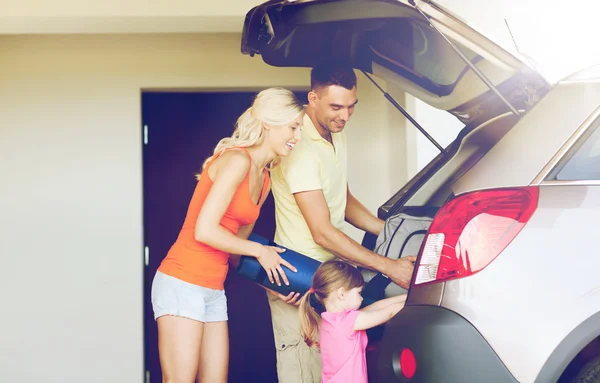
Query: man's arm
(360, 217)
(313, 207)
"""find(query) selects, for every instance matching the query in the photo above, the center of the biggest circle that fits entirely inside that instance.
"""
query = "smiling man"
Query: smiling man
(312, 201)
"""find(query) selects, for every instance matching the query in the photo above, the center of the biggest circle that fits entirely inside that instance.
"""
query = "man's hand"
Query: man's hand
(401, 270)
(291, 299)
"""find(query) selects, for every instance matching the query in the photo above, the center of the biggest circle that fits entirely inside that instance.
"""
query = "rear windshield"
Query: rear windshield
(420, 53)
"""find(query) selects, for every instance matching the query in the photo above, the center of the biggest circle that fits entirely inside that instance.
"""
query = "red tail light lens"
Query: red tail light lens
(471, 230)
(408, 363)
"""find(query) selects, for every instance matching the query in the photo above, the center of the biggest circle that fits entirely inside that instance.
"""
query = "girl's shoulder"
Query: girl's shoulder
(337, 317)
(340, 324)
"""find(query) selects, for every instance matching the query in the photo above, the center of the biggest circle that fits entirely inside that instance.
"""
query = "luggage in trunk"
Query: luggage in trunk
(402, 235)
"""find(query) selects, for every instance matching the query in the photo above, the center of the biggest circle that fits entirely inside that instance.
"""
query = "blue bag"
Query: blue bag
(300, 281)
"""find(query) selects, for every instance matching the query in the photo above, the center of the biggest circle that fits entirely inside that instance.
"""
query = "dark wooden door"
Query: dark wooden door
(182, 130)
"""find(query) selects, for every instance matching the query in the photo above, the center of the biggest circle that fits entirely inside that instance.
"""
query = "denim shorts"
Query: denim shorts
(172, 296)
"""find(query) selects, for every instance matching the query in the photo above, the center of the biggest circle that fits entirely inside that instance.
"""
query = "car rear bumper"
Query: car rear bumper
(447, 349)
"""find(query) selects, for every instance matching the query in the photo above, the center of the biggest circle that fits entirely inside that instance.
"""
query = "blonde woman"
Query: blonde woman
(188, 296)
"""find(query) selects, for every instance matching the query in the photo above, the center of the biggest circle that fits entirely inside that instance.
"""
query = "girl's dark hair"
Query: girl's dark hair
(329, 277)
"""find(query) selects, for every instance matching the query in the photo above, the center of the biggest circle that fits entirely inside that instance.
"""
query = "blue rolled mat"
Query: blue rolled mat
(300, 281)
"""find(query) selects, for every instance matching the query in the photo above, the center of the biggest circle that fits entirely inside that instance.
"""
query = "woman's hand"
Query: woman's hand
(271, 261)
(291, 299)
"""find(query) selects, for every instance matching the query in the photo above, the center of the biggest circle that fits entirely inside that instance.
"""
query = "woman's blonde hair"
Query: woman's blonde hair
(329, 277)
(272, 106)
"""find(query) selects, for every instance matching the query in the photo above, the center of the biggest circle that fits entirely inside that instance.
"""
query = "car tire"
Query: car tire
(590, 373)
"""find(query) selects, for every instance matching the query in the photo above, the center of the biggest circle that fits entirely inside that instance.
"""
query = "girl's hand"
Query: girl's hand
(271, 261)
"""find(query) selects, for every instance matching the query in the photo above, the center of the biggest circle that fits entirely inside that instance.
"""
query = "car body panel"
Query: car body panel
(523, 152)
(546, 292)
(447, 348)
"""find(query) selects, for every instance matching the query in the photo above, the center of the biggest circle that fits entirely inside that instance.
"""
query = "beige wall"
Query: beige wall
(122, 16)
(71, 190)
(125, 7)
(441, 125)
(377, 148)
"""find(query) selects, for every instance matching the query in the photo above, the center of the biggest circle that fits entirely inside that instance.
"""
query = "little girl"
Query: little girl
(337, 287)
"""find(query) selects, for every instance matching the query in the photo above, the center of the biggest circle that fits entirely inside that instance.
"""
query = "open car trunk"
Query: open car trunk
(426, 51)
(422, 48)
(401, 41)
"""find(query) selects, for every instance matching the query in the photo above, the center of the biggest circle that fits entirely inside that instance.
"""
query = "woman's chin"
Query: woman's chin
(284, 152)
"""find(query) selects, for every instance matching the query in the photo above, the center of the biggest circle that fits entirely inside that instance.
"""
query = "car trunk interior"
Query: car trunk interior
(472, 145)
(429, 189)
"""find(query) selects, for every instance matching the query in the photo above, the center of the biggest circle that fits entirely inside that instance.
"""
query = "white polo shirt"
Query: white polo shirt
(313, 164)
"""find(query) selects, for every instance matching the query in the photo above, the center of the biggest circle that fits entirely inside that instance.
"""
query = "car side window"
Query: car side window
(584, 164)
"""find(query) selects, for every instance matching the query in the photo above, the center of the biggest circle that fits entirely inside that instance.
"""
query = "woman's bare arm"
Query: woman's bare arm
(231, 169)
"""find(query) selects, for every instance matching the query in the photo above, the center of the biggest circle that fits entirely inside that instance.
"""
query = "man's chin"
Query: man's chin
(336, 128)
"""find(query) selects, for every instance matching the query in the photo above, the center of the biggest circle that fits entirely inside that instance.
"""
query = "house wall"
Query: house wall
(125, 16)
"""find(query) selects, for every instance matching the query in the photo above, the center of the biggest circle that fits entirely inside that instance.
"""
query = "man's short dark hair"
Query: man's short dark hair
(328, 74)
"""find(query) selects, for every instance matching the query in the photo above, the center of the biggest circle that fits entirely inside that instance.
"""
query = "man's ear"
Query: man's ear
(312, 98)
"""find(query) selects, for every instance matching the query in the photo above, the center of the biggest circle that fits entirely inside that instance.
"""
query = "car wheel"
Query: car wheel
(590, 373)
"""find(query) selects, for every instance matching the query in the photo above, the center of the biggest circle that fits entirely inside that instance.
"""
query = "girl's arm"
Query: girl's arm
(367, 319)
(384, 303)
(228, 176)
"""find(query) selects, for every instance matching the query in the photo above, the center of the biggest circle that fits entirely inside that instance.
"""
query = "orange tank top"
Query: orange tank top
(195, 262)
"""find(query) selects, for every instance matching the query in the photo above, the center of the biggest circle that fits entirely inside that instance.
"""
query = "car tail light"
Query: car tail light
(471, 230)
(404, 364)
(408, 363)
